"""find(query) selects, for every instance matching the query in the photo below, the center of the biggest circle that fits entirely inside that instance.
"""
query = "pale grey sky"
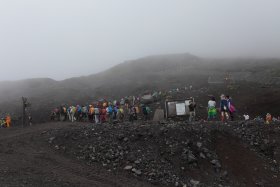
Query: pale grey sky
(65, 38)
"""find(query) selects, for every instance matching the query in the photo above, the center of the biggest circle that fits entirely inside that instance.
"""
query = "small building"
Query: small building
(226, 78)
(216, 79)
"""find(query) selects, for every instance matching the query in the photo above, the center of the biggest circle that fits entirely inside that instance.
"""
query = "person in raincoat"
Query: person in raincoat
(120, 114)
(224, 108)
(109, 113)
(97, 114)
(231, 108)
(212, 111)
(8, 121)
(103, 113)
(91, 113)
(268, 118)
(146, 112)
(132, 114)
(2, 123)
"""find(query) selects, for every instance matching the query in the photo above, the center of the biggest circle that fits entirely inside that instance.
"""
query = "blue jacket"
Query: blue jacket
(224, 104)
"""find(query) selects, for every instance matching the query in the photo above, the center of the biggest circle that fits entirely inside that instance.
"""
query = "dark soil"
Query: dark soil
(143, 154)
(26, 159)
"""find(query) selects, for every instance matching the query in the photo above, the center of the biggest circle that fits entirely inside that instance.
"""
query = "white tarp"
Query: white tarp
(159, 115)
(181, 109)
(147, 97)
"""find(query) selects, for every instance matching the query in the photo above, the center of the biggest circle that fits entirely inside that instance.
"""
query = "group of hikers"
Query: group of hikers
(226, 108)
(6, 122)
(267, 120)
(125, 109)
(131, 109)
(227, 111)
(102, 112)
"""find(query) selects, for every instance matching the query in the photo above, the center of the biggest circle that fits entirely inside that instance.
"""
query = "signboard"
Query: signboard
(177, 108)
(171, 108)
(180, 109)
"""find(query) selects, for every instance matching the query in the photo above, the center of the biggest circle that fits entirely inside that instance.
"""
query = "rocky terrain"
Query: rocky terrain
(169, 153)
(142, 154)
(177, 153)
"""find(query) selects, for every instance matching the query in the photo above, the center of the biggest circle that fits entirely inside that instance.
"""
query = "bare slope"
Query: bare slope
(144, 154)
(155, 72)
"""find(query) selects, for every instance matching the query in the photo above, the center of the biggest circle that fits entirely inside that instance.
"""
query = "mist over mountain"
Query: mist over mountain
(161, 72)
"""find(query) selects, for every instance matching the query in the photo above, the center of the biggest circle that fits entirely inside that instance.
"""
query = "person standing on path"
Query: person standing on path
(8, 121)
(192, 107)
(224, 108)
(212, 111)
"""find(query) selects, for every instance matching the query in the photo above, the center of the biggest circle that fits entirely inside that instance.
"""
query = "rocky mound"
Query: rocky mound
(177, 154)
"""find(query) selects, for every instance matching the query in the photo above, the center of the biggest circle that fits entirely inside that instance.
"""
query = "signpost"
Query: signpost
(25, 105)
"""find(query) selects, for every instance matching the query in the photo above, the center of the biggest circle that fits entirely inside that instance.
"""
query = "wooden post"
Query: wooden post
(25, 104)
(23, 111)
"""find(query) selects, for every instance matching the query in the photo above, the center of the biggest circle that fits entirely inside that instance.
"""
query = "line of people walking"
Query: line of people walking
(102, 112)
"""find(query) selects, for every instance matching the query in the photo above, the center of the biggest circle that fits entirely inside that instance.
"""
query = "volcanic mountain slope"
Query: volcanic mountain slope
(162, 72)
(141, 154)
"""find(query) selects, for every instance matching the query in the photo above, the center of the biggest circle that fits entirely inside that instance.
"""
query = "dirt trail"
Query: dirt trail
(27, 160)
(187, 151)
(244, 165)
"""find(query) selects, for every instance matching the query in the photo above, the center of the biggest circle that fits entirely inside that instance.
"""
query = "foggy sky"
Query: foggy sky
(65, 38)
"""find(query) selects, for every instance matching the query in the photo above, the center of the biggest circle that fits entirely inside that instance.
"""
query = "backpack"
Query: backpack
(145, 110)
(121, 110)
(232, 108)
(91, 110)
(148, 109)
(96, 111)
(110, 110)
(137, 110)
(84, 109)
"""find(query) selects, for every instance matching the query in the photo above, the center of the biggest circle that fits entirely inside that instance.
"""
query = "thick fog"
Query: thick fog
(65, 38)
